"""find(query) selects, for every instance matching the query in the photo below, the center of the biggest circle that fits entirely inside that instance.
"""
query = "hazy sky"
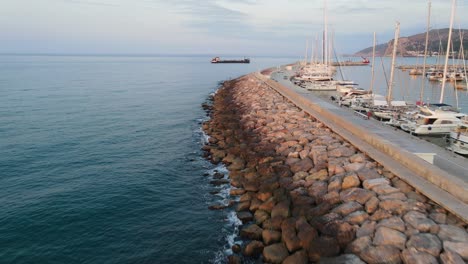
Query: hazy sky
(240, 27)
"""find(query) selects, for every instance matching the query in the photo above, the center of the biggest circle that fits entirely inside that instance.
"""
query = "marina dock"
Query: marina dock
(437, 173)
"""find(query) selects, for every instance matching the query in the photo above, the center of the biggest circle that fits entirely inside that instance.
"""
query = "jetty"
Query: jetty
(317, 183)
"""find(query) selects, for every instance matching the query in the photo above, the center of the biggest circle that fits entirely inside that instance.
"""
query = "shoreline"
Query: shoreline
(306, 194)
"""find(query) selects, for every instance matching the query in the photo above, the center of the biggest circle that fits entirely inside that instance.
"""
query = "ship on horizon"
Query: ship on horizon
(219, 60)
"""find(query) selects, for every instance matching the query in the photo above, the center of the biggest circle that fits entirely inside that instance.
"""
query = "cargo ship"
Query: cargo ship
(219, 60)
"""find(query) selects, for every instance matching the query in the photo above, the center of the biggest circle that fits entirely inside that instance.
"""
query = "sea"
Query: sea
(101, 161)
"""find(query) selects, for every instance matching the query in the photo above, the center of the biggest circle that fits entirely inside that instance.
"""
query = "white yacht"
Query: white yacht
(433, 119)
(458, 138)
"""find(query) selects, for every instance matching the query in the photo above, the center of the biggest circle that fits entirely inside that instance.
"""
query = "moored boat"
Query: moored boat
(458, 138)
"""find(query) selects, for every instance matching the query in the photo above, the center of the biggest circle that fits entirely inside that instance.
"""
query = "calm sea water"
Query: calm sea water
(100, 159)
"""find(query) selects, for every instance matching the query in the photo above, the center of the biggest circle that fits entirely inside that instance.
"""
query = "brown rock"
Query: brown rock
(289, 236)
(389, 237)
(243, 206)
(356, 194)
(253, 232)
(320, 175)
(384, 189)
(452, 233)
(402, 186)
(275, 253)
(356, 218)
(335, 184)
(418, 221)
(371, 183)
(236, 248)
(271, 236)
(379, 215)
(281, 210)
(413, 256)
(350, 181)
(253, 248)
(323, 247)
(353, 167)
(318, 189)
(381, 255)
(245, 216)
(300, 257)
(367, 229)
(394, 206)
(359, 157)
(425, 242)
(393, 196)
(439, 218)
(450, 257)
(368, 174)
(372, 204)
(233, 259)
(236, 192)
(264, 196)
(341, 152)
(268, 205)
(261, 216)
(416, 196)
(305, 232)
(394, 223)
(255, 204)
(302, 165)
(347, 208)
(359, 244)
(330, 198)
(461, 248)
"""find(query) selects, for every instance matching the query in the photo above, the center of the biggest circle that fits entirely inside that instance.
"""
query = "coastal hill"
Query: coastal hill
(414, 45)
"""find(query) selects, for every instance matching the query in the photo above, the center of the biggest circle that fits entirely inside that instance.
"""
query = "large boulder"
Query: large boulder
(275, 253)
(271, 236)
(413, 256)
(461, 248)
(253, 248)
(425, 242)
(450, 257)
(347, 208)
(302, 165)
(452, 233)
(385, 236)
(418, 221)
(323, 246)
(356, 194)
(393, 223)
(253, 232)
(381, 255)
(300, 257)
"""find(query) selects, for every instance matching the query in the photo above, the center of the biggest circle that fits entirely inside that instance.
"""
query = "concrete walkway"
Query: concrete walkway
(445, 181)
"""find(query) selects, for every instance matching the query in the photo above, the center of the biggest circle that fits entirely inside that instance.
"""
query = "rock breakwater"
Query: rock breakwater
(305, 195)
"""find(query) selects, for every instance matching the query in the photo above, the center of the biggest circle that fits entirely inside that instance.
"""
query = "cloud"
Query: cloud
(92, 3)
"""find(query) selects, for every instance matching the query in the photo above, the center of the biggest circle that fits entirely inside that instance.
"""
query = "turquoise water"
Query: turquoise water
(100, 159)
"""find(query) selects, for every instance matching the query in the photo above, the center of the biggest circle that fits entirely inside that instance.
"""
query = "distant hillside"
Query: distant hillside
(414, 45)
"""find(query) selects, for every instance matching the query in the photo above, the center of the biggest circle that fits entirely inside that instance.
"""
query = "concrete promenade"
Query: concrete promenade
(445, 181)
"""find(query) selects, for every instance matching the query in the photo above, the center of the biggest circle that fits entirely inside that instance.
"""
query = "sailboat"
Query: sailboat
(318, 76)
(436, 119)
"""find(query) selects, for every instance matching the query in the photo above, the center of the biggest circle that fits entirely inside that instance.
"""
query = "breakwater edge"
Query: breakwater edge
(306, 195)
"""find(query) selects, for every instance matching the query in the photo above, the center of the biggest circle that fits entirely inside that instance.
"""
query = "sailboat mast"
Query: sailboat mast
(392, 70)
(306, 50)
(325, 33)
(423, 79)
(444, 80)
(373, 63)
